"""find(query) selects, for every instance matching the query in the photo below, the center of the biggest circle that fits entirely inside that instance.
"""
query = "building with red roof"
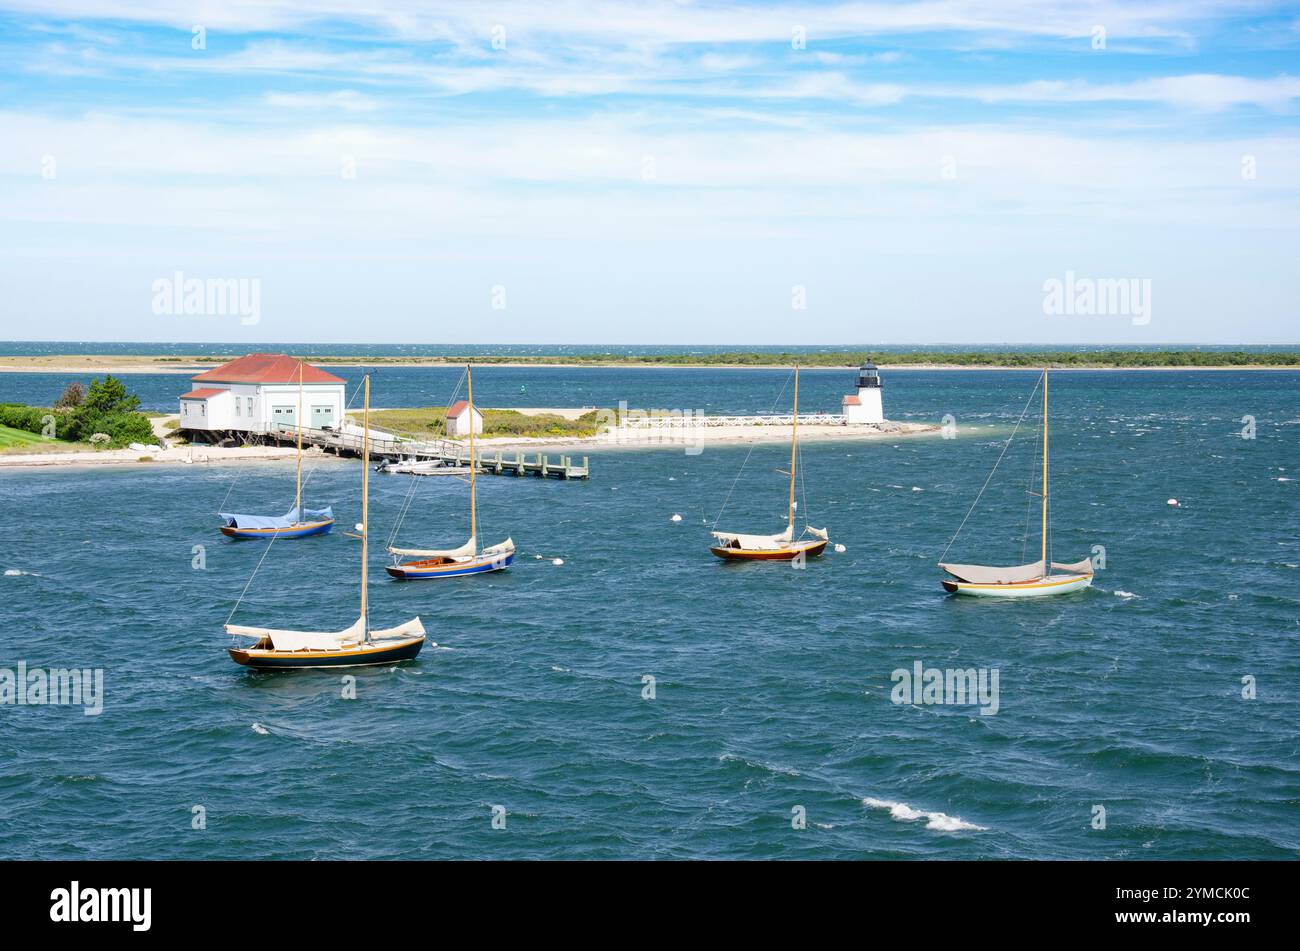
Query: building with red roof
(260, 394)
(459, 419)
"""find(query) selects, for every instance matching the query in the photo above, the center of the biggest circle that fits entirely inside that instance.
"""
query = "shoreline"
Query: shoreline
(129, 365)
(618, 440)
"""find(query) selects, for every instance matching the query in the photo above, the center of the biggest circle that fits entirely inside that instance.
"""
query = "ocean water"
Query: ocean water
(772, 686)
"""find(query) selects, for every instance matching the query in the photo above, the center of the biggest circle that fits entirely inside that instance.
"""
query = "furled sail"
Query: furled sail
(988, 574)
(288, 520)
(323, 641)
(305, 640)
(1075, 567)
(464, 551)
(764, 542)
(504, 548)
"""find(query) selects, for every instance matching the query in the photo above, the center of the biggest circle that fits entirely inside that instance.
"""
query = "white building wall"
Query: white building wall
(250, 407)
(321, 403)
(460, 425)
(872, 408)
(215, 412)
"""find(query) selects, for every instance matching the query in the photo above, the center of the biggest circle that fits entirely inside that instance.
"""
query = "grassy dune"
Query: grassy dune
(427, 422)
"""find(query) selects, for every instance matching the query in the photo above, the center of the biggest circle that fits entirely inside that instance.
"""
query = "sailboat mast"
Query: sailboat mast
(794, 436)
(473, 515)
(365, 500)
(1046, 566)
(297, 495)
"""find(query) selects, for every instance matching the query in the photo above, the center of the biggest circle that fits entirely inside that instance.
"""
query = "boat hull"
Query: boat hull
(293, 531)
(810, 550)
(1039, 588)
(436, 568)
(369, 654)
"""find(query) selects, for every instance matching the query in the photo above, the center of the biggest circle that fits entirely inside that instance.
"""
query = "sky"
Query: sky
(576, 172)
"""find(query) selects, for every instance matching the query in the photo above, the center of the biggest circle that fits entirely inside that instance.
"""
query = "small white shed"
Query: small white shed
(460, 418)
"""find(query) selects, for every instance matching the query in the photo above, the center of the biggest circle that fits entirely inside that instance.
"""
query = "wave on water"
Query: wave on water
(261, 730)
(15, 572)
(1124, 594)
(939, 821)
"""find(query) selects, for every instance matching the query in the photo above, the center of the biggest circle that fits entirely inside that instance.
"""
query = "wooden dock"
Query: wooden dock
(388, 447)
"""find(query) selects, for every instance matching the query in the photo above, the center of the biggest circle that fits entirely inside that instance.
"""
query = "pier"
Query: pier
(395, 450)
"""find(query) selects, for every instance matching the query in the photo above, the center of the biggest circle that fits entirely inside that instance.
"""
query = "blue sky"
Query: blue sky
(666, 172)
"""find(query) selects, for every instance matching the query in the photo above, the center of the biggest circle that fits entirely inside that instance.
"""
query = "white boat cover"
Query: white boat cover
(1013, 574)
(464, 551)
(322, 641)
(764, 542)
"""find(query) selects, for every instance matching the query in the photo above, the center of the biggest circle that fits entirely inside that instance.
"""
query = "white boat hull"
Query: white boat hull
(1038, 588)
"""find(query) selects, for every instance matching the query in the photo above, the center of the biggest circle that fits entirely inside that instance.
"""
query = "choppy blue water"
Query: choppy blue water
(772, 685)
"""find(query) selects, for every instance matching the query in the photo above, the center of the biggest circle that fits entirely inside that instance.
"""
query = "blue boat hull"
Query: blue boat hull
(293, 531)
(416, 571)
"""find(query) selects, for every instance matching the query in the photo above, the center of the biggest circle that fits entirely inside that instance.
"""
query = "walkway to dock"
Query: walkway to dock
(389, 447)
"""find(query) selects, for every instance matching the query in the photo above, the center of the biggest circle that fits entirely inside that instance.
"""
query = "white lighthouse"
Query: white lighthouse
(865, 406)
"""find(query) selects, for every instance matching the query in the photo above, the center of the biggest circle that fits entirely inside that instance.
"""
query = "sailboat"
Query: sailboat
(466, 559)
(357, 646)
(1035, 580)
(784, 546)
(298, 522)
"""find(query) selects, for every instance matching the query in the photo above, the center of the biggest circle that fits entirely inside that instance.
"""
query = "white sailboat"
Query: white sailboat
(465, 559)
(358, 645)
(298, 522)
(784, 546)
(1035, 580)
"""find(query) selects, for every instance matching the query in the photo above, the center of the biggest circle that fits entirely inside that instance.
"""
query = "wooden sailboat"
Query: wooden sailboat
(466, 559)
(784, 546)
(295, 523)
(357, 646)
(1034, 580)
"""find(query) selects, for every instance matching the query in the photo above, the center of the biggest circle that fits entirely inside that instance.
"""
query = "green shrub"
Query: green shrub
(106, 409)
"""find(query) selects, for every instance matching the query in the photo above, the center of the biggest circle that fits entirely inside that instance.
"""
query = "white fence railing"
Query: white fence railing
(691, 421)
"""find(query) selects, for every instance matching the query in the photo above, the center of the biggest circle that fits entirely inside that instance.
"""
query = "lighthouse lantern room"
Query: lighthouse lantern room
(864, 405)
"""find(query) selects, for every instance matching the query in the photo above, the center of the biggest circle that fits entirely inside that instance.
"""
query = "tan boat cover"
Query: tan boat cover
(464, 551)
(990, 574)
(322, 641)
(1013, 574)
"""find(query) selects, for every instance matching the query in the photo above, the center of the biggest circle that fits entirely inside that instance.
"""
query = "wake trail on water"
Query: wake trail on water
(939, 821)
